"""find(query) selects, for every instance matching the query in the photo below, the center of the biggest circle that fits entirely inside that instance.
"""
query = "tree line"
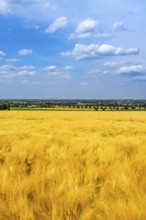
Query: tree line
(112, 105)
(5, 106)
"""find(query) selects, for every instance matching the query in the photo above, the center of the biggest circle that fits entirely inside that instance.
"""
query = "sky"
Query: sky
(72, 49)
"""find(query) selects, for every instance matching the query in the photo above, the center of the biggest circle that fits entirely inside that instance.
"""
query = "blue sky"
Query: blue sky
(73, 49)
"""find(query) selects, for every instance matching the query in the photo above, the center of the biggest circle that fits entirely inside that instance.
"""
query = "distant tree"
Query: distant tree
(96, 108)
(126, 107)
(3, 106)
(103, 108)
(110, 106)
(8, 106)
(133, 107)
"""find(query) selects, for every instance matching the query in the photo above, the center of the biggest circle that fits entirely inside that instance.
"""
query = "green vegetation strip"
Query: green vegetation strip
(72, 109)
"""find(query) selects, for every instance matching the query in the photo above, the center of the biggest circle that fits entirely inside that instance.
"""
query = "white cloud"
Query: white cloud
(106, 49)
(12, 60)
(86, 29)
(50, 68)
(7, 67)
(2, 54)
(25, 52)
(90, 35)
(87, 25)
(119, 26)
(9, 71)
(134, 69)
(58, 69)
(31, 9)
(28, 67)
(59, 23)
(26, 73)
(82, 51)
(5, 7)
(59, 72)
(79, 35)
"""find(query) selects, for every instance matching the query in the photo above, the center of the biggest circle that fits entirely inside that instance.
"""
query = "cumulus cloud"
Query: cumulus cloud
(26, 73)
(102, 71)
(7, 67)
(59, 72)
(87, 29)
(2, 54)
(79, 35)
(87, 25)
(13, 6)
(134, 69)
(50, 68)
(9, 71)
(119, 26)
(5, 7)
(58, 69)
(59, 23)
(14, 71)
(28, 67)
(25, 52)
(83, 51)
(30, 9)
(99, 35)
(12, 60)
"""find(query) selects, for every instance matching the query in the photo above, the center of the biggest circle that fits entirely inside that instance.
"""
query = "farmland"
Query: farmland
(72, 165)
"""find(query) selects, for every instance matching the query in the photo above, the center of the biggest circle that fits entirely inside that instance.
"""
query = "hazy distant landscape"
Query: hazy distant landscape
(74, 105)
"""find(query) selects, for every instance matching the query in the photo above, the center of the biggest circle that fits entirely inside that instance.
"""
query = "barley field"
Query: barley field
(72, 165)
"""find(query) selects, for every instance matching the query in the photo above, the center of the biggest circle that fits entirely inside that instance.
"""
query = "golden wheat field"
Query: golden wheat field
(72, 165)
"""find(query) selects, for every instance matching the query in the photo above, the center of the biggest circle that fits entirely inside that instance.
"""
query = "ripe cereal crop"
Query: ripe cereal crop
(72, 165)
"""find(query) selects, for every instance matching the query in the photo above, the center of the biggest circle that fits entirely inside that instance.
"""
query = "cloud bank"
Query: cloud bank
(134, 69)
(84, 51)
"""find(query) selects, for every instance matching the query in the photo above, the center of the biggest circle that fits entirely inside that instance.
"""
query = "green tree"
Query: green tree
(3, 106)
(8, 106)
